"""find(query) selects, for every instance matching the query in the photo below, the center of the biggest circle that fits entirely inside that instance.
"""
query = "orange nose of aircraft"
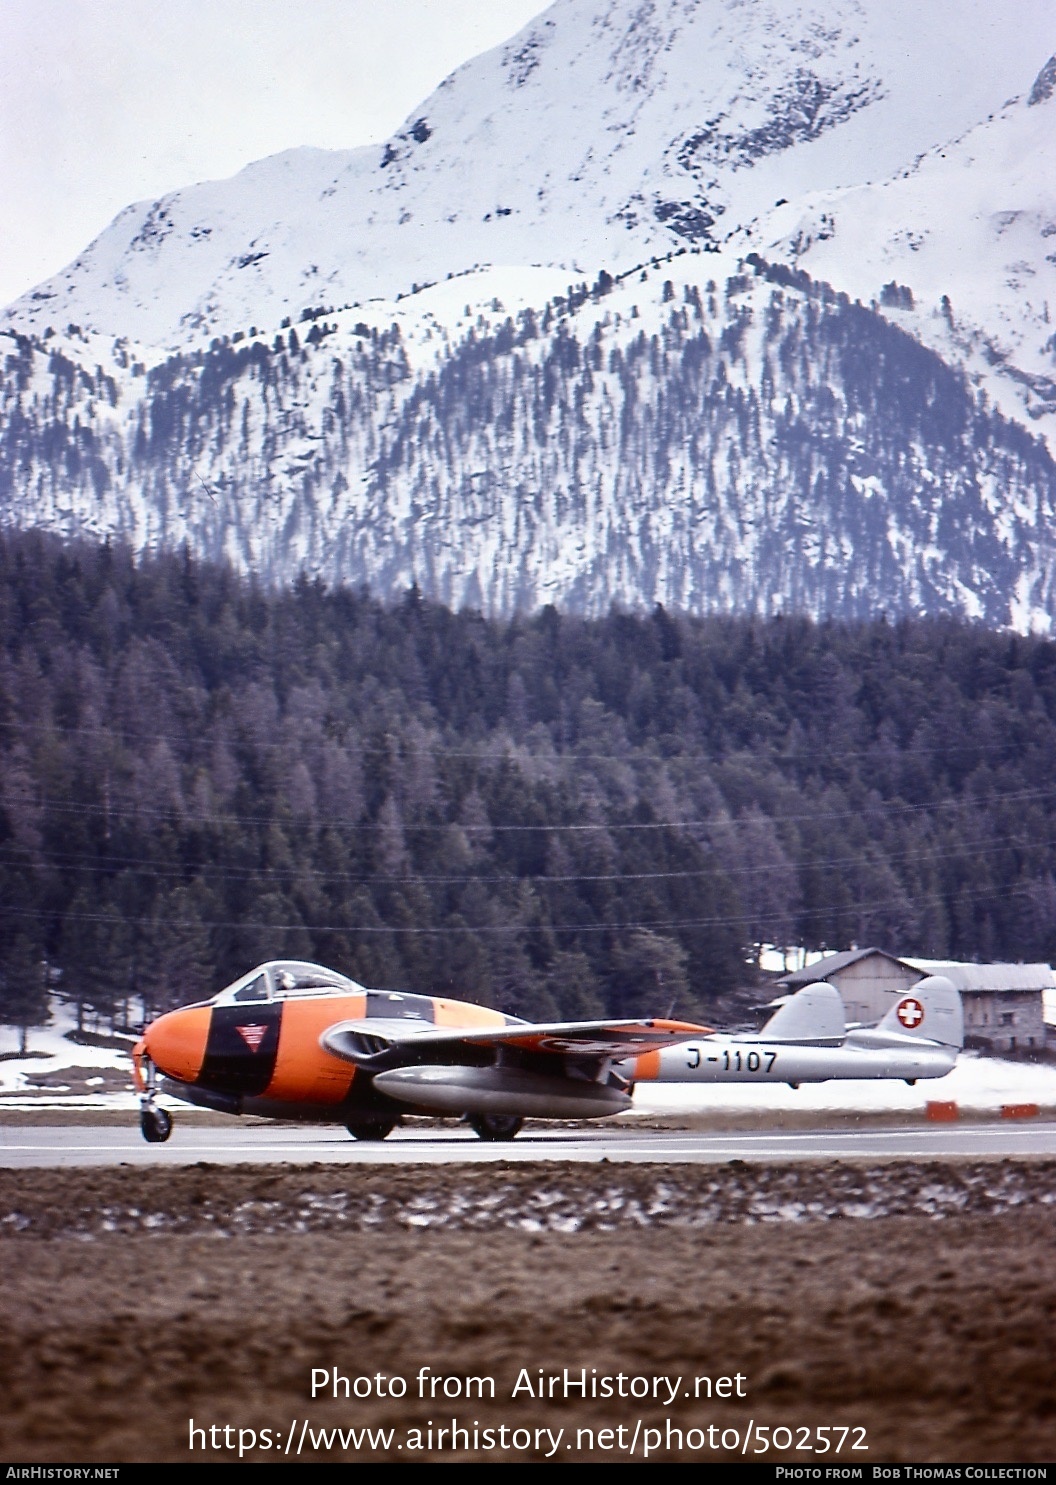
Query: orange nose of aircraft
(175, 1042)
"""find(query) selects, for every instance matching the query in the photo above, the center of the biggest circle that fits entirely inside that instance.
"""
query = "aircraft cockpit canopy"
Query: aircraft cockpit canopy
(285, 979)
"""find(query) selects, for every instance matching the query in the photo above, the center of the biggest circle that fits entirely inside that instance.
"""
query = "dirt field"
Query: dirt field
(914, 1302)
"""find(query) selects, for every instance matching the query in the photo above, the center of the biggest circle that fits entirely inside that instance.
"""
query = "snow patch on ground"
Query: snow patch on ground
(50, 1053)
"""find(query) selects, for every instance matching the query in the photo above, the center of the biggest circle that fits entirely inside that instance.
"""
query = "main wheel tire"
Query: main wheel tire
(372, 1127)
(495, 1126)
(155, 1125)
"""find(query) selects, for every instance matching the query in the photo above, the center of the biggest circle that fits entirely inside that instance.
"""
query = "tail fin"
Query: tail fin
(813, 1014)
(931, 1010)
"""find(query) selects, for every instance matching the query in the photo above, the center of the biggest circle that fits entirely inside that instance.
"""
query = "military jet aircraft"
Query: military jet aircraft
(297, 1040)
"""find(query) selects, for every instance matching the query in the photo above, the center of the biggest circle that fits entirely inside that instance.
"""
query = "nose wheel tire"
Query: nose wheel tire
(495, 1126)
(155, 1125)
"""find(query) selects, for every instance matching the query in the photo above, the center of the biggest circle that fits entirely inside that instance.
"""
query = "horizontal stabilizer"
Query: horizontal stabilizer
(813, 1014)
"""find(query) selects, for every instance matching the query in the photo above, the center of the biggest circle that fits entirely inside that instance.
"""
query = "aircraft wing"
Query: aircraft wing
(358, 1041)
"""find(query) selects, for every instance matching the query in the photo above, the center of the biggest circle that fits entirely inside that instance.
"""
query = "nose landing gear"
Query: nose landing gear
(155, 1124)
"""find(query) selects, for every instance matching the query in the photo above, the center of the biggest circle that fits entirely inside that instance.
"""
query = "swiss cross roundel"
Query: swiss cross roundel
(910, 1012)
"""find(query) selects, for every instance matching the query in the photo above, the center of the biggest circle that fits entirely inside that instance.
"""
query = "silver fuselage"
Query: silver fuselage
(862, 1054)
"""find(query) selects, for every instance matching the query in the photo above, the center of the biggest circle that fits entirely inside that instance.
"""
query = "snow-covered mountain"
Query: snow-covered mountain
(605, 132)
(458, 359)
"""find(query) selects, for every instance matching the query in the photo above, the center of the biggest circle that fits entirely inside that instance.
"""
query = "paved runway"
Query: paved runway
(22, 1148)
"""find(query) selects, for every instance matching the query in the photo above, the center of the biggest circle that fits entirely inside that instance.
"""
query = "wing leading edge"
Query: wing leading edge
(359, 1040)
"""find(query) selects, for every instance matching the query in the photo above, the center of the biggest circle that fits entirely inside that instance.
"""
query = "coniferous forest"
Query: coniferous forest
(557, 815)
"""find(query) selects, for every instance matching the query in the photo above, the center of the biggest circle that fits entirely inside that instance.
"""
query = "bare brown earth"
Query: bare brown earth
(914, 1301)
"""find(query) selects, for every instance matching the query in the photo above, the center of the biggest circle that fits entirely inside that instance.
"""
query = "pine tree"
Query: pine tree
(23, 990)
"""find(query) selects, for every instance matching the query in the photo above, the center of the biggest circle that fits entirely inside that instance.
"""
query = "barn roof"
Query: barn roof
(830, 965)
(987, 976)
(966, 976)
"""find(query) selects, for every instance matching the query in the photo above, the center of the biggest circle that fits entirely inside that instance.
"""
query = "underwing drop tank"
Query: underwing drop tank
(500, 1090)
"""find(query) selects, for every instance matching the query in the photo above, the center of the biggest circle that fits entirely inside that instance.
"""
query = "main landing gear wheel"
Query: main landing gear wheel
(372, 1127)
(495, 1126)
(155, 1125)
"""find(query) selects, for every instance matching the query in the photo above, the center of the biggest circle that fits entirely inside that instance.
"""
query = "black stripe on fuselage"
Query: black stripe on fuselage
(241, 1048)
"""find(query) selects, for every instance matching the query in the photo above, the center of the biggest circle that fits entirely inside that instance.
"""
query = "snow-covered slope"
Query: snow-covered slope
(752, 443)
(468, 359)
(970, 232)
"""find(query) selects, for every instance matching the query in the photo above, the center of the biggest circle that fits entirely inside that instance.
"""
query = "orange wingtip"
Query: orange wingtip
(690, 1028)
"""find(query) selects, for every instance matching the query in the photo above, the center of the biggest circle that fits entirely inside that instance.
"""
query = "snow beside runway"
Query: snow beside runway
(976, 1084)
